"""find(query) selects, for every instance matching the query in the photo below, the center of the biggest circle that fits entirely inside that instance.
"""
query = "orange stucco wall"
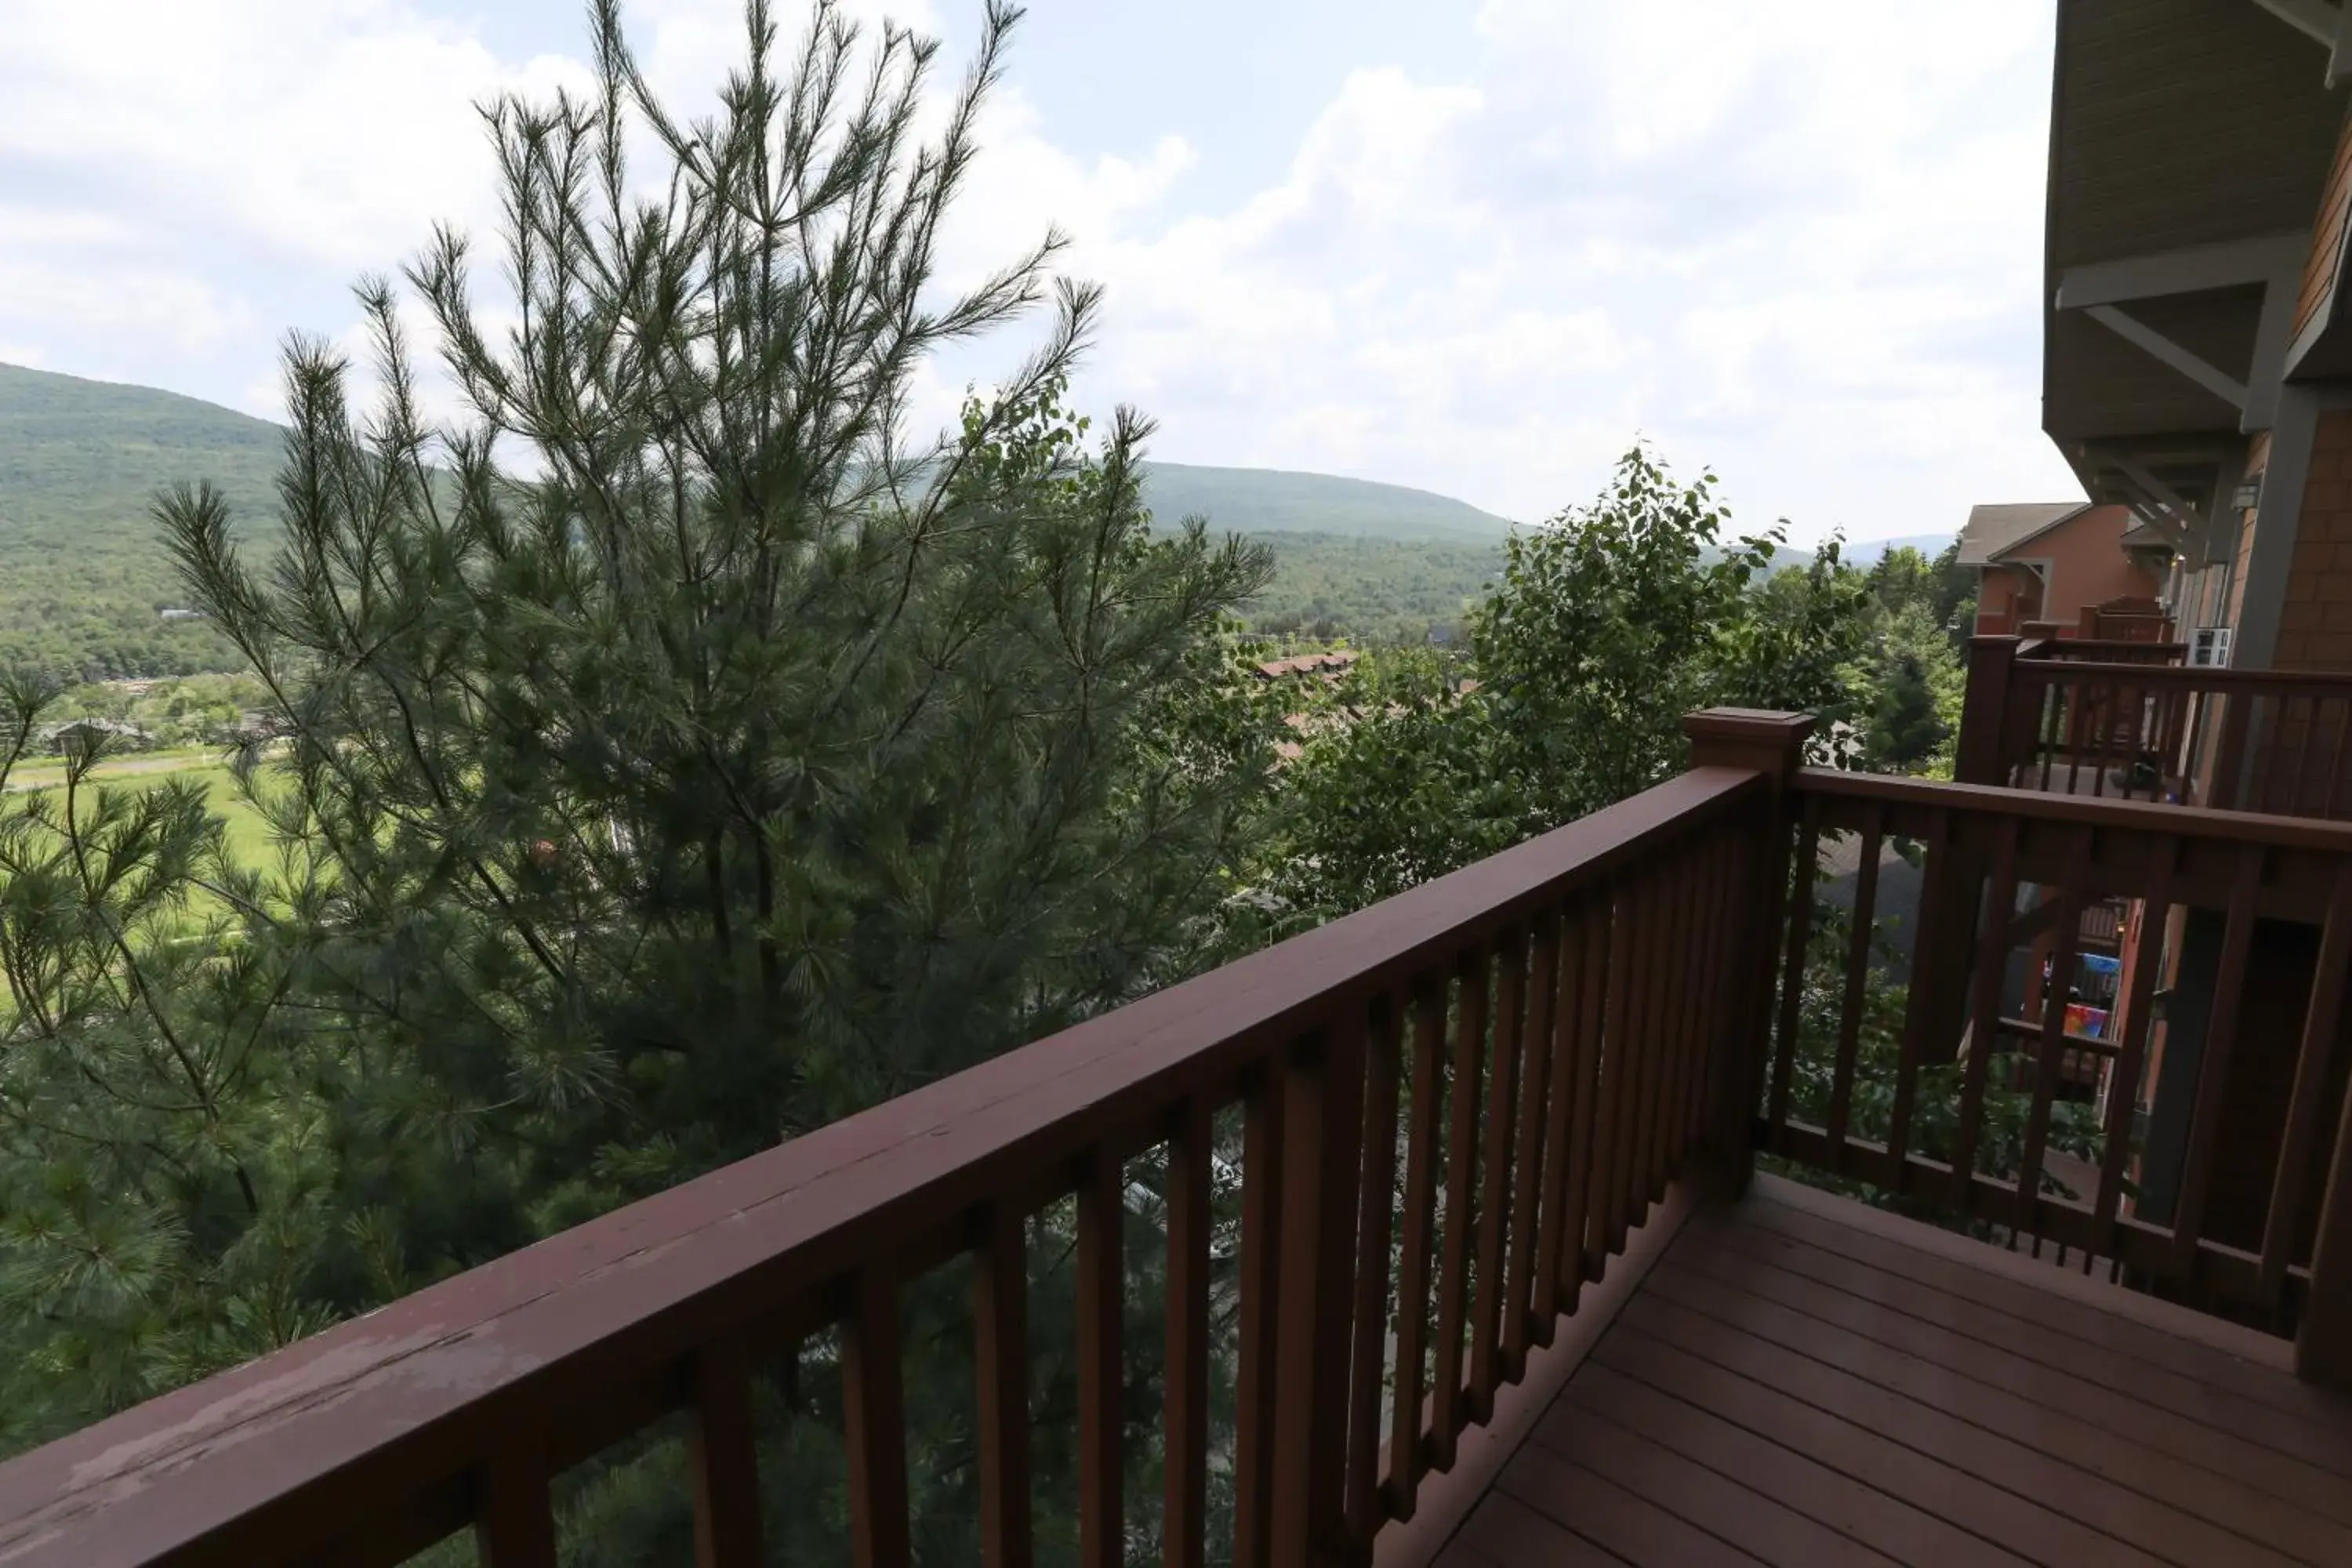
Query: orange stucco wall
(2086, 566)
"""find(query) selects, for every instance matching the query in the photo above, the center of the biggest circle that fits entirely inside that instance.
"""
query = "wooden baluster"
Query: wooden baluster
(2053, 1044)
(723, 1456)
(873, 1414)
(1704, 986)
(2114, 732)
(1000, 1316)
(1670, 984)
(1102, 1275)
(2230, 759)
(1927, 940)
(1322, 1131)
(2336, 761)
(1711, 969)
(1641, 1062)
(1993, 965)
(1184, 1507)
(1585, 1135)
(1694, 990)
(2051, 712)
(1562, 1214)
(1495, 1170)
(2131, 1056)
(2213, 1068)
(2313, 1073)
(2180, 739)
(1721, 983)
(2323, 1345)
(1678, 920)
(1406, 1456)
(1262, 1160)
(1375, 1202)
(514, 1522)
(1792, 981)
(1857, 976)
(2301, 748)
(1618, 1081)
(1446, 1411)
(1527, 1159)
(2197, 736)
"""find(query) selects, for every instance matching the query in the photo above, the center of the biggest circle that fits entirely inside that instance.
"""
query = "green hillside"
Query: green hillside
(1276, 500)
(84, 579)
(1368, 590)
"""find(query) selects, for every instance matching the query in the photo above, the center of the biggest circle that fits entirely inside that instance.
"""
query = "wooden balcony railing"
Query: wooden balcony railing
(2128, 722)
(1484, 1083)
(1954, 1092)
(1445, 1116)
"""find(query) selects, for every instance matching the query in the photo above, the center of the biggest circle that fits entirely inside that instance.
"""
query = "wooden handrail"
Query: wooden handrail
(460, 1404)
(1985, 846)
(2194, 677)
(2074, 650)
(2188, 822)
(2042, 716)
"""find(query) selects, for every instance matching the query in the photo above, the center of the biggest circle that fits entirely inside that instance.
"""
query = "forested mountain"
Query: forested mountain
(1276, 501)
(83, 574)
(1867, 553)
(1372, 590)
(84, 579)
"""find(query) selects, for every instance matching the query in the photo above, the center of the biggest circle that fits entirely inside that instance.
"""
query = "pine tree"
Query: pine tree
(1904, 727)
(679, 754)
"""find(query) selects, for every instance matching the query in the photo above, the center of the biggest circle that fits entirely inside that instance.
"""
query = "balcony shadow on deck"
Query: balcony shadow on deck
(1798, 1380)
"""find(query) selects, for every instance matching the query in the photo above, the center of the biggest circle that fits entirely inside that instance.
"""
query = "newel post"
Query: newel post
(1983, 753)
(2323, 1346)
(1772, 744)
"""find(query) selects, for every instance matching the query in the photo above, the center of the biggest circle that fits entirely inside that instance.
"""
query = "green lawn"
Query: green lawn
(248, 831)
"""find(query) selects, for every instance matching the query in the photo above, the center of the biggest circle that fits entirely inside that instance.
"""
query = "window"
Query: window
(2209, 645)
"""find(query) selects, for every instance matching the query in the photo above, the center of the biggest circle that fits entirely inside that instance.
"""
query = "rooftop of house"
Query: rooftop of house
(1993, 531)
(1335, 662)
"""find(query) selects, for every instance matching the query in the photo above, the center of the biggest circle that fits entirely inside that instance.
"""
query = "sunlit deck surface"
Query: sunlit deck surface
(1800, 1380)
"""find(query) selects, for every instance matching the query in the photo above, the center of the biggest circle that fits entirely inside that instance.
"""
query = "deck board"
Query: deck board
(1788, 1388)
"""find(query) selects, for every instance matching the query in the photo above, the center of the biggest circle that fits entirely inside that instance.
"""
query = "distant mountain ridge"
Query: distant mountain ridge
(1282, 501)
(84, 576)
(1867, 551)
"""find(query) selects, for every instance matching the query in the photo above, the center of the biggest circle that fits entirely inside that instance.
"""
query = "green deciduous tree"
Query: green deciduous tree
(1610, 623)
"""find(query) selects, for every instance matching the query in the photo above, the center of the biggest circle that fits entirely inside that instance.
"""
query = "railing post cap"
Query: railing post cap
(1749, 724)
(1758, 738)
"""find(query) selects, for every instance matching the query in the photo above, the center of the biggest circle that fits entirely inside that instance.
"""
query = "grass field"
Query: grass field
(248, 832)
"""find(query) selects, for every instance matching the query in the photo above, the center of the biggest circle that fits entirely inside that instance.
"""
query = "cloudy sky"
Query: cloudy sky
(1476, 246)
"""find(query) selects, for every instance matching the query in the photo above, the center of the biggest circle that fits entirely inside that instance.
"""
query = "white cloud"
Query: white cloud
(1800, 243)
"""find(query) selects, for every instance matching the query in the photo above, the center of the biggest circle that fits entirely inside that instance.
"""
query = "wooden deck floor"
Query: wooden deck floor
(1802, 1382)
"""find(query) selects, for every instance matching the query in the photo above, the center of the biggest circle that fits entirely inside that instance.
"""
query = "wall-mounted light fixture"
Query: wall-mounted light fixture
(2249, 494)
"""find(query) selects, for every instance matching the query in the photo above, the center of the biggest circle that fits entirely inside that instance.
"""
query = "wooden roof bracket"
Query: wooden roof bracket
(2100, 290)
(2327, 22)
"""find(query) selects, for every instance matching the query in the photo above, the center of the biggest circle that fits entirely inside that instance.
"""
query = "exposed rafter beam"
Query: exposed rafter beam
(2132, 330)
(2325, 22)
(2261, 259)
(2164, 509)
(2314, 19)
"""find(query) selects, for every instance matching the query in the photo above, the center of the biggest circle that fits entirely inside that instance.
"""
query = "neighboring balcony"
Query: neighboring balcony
(1454, 1244)
(2131, 720)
